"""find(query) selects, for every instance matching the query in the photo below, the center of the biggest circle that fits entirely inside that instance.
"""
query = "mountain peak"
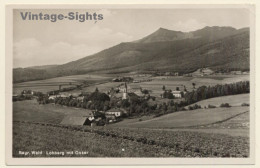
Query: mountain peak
(163, 29)
(161, 35)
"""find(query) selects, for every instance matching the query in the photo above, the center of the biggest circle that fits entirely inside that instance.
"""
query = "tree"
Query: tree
(185, 90)
(163, 88)
(193, 84)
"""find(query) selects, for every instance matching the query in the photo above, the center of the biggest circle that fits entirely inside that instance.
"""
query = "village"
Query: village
(127, 99)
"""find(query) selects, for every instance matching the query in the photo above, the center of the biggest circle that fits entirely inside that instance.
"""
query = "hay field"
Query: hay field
(186, 118)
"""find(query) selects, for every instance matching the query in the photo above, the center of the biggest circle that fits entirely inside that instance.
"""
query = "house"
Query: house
(207, 71)
(137, 91)
(80, 98)
(187, 75)
(116, 80)
(110, 117)
(116, 112)
(15, 96)
(55, 92)
(136, 81)
(236, 72)
(27, 92)
(177, 94)
(167, 73)
(203, 72)
(90, 115)
(53, 97)
(75, 120)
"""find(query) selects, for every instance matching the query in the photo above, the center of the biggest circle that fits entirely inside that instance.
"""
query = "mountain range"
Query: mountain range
(219, 48)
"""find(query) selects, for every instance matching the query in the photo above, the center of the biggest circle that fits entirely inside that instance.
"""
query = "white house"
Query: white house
(177, 94)
(116, 112)
(90, 115)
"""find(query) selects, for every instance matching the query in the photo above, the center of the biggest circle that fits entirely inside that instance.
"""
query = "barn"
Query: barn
(75, 120)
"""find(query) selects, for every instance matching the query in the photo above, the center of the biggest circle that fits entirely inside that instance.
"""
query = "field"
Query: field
(187, 118)
(103, 83)
(30, 110)
(218, 132)
(172, 82)
(233, 100)
(53, 84)
(119, 142)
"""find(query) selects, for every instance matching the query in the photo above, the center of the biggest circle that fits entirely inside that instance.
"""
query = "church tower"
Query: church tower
(125, 92)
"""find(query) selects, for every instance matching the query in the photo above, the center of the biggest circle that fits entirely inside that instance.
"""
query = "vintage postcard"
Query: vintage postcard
(130, 84)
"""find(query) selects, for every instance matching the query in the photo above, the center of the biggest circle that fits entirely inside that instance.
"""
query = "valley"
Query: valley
(168, 94)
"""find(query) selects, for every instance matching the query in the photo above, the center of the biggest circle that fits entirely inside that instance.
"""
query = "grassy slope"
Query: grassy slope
(185, 55)
(53, 83)
(172, 82)
(233, 100)
(31, 111)
(186, 118)
(35, 137)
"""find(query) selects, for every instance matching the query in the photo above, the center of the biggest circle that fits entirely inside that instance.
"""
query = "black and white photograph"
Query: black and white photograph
(129, 82)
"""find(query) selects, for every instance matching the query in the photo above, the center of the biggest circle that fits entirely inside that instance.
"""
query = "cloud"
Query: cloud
(32, 52)
(101, 36)
(188, 25)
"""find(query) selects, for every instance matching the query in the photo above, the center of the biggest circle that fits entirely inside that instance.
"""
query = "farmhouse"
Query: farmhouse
(90, 115)
(203, 72)
(236, 72)
(53, 97)
(80, 98)
(27, 92)
(111, 117)
(177, 94)
(115, 111)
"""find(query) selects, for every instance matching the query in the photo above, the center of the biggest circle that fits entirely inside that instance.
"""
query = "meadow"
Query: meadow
(104, 83)
(216, 132)
(31, 110)
(53, 83)
(155, 86)
(121, 142)
(233, 100)
(190, 118)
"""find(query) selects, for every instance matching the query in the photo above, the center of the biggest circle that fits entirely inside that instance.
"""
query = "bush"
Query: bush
(244, 104)
(182, 109)
(211, 106)
(158, 115)
(225, 105)
(194, 107)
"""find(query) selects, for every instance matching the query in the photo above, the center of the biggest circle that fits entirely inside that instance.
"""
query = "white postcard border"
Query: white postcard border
(121, 161)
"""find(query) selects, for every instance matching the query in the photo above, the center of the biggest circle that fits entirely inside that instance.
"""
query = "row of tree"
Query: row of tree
(205, 92)
(136, 105)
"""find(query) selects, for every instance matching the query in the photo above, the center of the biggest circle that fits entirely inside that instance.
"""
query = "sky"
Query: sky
(39, 42)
